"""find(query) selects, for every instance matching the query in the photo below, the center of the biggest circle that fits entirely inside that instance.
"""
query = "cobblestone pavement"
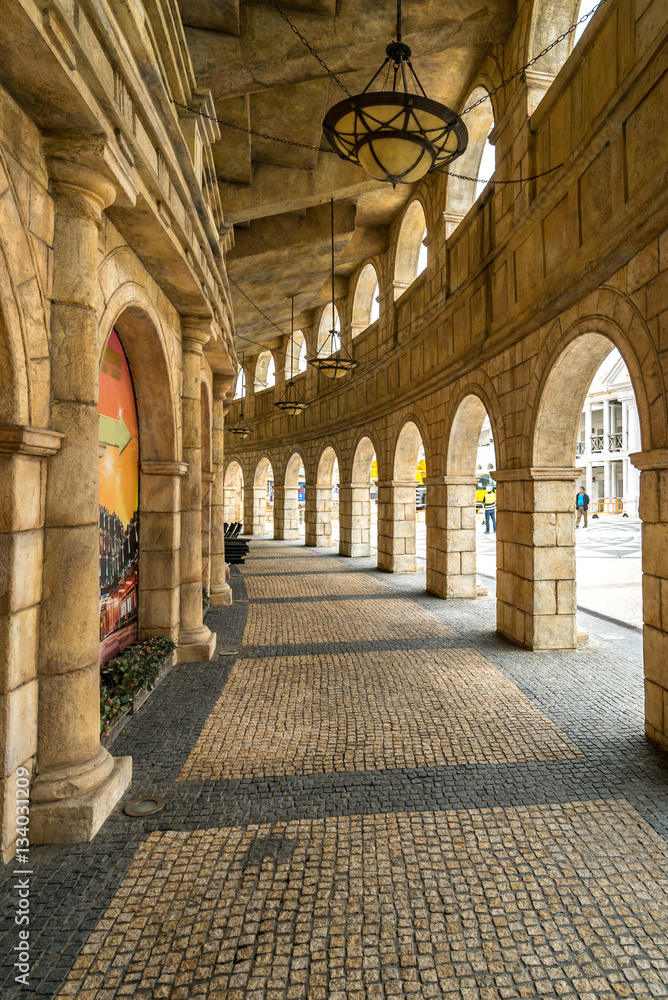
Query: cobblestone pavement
(369, 793)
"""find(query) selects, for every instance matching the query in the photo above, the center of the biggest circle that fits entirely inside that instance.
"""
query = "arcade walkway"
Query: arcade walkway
(370, 794)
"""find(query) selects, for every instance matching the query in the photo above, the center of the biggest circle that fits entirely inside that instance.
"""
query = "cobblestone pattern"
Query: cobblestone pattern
(593, 695)
(516, 902)
(306, 585)
(369, 711)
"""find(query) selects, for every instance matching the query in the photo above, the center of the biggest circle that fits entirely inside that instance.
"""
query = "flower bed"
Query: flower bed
(127, 680)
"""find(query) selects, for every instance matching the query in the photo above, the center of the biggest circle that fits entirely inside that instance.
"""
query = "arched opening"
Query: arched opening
(262, 513)
(411, 252)
(240, 391)
(478, 161)
(401, 503)
(365, 304)
(295, 355)
(588, 418)
(290, 520)
(549, 20)
(329, 321)
(359, 504)
(322, 512)
(234, 494)
(265, 371)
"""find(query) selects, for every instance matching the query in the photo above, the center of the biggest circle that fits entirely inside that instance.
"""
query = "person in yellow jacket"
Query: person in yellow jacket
(489, 506)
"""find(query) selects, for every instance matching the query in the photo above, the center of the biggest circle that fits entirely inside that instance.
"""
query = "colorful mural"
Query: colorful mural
(119, 503)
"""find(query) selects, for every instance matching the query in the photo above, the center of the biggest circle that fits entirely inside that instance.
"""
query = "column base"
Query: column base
(76, 819)
(656, 735)
(196, 646)
(221, 597)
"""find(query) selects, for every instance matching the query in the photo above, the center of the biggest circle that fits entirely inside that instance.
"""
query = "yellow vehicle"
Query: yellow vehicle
(484, 481)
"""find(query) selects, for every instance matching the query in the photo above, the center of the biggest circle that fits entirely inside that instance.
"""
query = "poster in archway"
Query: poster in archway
(119, 503)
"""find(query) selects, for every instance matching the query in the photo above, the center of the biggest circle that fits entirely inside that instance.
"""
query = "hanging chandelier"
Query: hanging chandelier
(331, 364)
(240, 427)
(291, 402)
(396, 133)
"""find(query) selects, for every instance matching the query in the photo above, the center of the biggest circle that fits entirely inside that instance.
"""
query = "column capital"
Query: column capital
(222, 385)
(397, 483)
(22, 439)
(647, 461)
(451, 480)
(163, 468)
(82, 175)
(355, 486)
(208, 477)
(195, 333)
(536, 475)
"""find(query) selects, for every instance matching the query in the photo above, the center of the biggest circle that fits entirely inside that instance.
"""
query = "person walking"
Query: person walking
(489, 506)
(581, 506)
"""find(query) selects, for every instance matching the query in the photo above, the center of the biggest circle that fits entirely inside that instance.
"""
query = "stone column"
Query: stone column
(160, 548)
(208, 480)
(219, 591)
(286, 511)
(396, 526)
(451, 536)
(318, 516)
(653, 466)
(78, 783)
(23, 453)
(535, 544)
(196, 642)
(255, 510)
(606, 428)
(354, 519)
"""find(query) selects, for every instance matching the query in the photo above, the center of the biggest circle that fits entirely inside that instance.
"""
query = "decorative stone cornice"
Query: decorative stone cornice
(208, 477)
(451, 480)
(222, 385)
(157, 468)
(646, 461)
(21, 439)
(535, 475)
(396, 483)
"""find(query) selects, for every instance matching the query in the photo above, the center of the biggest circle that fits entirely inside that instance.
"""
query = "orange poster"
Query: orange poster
(119, 503)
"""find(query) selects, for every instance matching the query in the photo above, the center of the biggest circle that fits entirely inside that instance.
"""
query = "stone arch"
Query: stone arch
(265, 373)
(366, 292)
(461, 194)
(294, 464)
(408, 247)
(234, 492)
(262, 466)
(319, 502)
(255, 498)
(329, 320)
(549, 19)
(407, 446)
(397, 530)
(295, 355)
(355, 497)
(325, 468)
(566, 372)
(465, 415)
(287, 511)
(363, 454)
(131, 313)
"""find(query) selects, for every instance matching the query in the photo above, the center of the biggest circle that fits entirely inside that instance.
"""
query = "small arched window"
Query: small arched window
(365, 306)
(411, 254)
(477, 161)
(241, 385)
(487, 166)
(586, 7)
(265, 371)
(295, 355)
(329, 322)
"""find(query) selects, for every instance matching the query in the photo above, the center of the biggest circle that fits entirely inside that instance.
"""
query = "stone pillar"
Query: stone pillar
(318, 516)
(208, 480)
(23, 451)
(451, 536)
(160, 548)
(196, 642)
(606, 428)
(286, 511)
(354, 519)
(78, 783)
(255, 510)
(653, 466)
(535, 544)
(220, 592)
(396, 526)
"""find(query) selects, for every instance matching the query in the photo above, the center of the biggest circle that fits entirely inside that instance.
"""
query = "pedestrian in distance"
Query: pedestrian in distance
(581, 506)
(489, 506)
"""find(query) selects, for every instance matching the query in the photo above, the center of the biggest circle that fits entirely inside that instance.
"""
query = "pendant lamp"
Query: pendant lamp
(333, 365)
(395, 132)
(240, 427)
(291, 402)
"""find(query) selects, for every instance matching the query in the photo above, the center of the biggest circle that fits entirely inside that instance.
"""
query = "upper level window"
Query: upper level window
(328, 323)
(487, 166)
(241, 385)
(411, 253)
(478, 161)
(586, 7)
(365, 305)
(265, 371)
(295, 356)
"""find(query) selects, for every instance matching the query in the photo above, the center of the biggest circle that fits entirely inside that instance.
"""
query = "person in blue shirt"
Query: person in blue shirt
(489, 506)
(581, 506)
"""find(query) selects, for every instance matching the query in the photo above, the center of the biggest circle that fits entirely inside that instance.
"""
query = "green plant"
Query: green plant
(122, 677)
(206, 600)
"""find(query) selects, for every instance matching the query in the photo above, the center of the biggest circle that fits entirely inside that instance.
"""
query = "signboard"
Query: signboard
(119, 503)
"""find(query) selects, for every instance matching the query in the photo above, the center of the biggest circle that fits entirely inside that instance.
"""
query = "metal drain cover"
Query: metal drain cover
(145, 805)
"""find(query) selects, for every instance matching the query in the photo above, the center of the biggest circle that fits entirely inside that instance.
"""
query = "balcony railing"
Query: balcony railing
(597, 442)
(615, 442)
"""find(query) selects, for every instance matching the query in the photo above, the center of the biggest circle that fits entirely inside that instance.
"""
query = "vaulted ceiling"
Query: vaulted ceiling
(276, 195)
